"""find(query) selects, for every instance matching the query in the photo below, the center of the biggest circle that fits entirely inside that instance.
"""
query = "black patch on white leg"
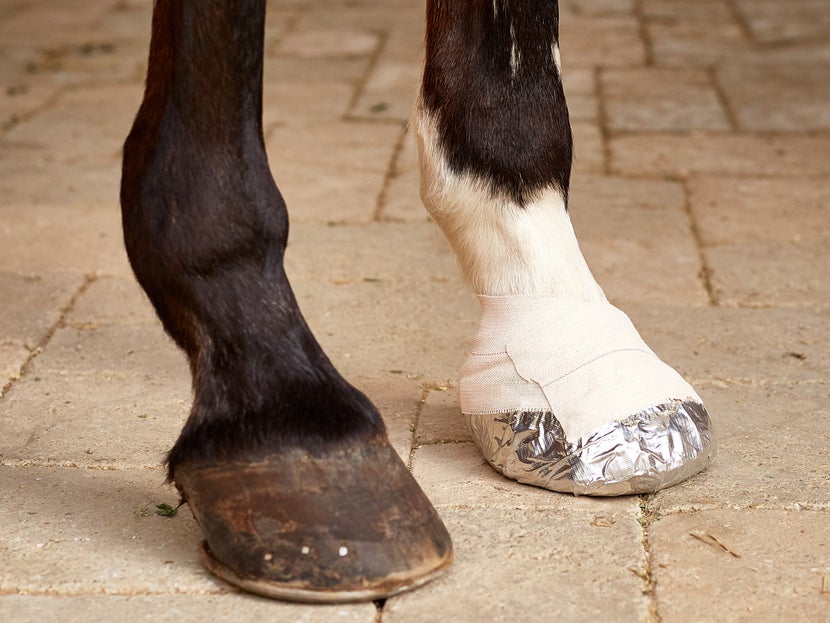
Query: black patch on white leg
(501, 110)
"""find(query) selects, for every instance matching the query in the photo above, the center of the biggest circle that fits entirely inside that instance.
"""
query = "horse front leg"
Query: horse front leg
(286, 467)
(559, 390)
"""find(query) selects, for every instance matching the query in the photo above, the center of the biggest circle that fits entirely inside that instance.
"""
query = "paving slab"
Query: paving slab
(588, 148)
(96, 59)
(390, 90)
(406, 41)
(743, 211)
(303, 104)
(597, 7)
(391, 87)
(127, 19)
(440, 419)
(578, 81)
(684, 42)
(520, 564)
(803, 53)
(362, 14)
(783, 556)
(86, 531)
(736, 346)
(332, 171)
(398, 399)
(637, 239)
(13, 357)
(33, 304)
(69, 22)
(595, 193)
(140, 349)
(67, 184)
(356, 145)
(455, 475)
(777, 97)
(73, 130)
(111, 300)
(383, 296)
(583, 107)
(590, 40)
(327, 43)
(107, 396)
(402, 199)
(751, 155)
(763, 240)
(174, 609)
(695, 33)
(645, 99)
(665, 274)
(20, 96)
(32, 307)
(686, 11)
(141, 394)
(774, 22)
(78, 542)
(772, 450)
(313, 70)
(762, 276)
(91, 421)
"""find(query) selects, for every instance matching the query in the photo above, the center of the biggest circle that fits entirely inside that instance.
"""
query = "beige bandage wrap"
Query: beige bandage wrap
(584, 362)
(566, 395)
(559, 391)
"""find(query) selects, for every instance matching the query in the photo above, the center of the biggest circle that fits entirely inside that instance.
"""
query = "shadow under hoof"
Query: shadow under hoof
(349, 524)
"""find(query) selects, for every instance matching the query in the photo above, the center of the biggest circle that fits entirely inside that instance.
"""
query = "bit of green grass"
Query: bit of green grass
(162, 510)
(88, 49)
(165, 510)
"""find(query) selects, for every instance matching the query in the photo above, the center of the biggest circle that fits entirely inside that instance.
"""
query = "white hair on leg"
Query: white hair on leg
(515, 53)
(502, 247)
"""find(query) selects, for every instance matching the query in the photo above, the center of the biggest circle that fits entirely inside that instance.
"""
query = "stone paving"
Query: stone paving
(701, 198)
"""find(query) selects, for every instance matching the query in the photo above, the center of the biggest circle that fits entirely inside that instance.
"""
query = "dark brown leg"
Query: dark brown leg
(285, 466)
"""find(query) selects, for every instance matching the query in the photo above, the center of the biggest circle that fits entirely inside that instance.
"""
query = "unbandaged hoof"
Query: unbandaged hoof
(565, 395)
(349, 525)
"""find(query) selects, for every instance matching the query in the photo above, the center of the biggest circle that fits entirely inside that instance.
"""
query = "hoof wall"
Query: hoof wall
(349, 525)
(292, 591)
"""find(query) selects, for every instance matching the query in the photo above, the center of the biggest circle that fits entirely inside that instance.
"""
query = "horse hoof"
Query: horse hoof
(566, 395)
(350, 524)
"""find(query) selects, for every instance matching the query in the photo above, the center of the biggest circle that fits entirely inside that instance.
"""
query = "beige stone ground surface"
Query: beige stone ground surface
(701, 198)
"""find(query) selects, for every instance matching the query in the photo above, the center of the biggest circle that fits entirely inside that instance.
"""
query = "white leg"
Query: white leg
(559, 390)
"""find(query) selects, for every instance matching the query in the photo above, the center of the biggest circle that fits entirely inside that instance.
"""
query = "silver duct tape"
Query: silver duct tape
(645, 452)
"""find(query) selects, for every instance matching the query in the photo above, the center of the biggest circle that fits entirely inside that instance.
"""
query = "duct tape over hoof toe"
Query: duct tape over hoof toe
(566, 395)
(349, 524)
(643, 453)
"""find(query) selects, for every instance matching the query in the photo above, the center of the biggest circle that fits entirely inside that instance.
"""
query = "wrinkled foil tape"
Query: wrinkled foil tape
(643, 453)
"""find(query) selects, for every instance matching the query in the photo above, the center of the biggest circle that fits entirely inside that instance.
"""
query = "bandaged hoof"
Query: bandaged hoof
(565, 395)
(645, 452)
(349, 525)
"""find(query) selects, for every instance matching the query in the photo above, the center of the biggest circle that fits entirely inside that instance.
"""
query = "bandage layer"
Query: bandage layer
(567, 396)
